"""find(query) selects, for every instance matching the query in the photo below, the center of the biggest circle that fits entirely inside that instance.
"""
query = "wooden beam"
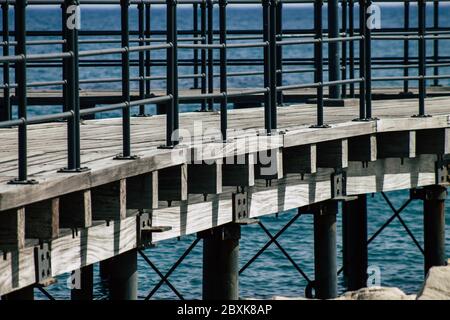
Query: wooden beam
(363, 148)
(109, 201)
(142, 191)
(269, 164)
(42, 220)
(332, 154)
(433, 141)
(396, 144)
(205, 178)
(75, 210)
(172, 183)
(12, 229)
(239, 171)
(300, 159)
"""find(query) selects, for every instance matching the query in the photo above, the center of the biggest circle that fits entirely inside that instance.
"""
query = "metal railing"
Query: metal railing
(203, 41)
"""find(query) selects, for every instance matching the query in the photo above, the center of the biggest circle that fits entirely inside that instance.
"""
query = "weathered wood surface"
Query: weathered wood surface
(101, 140)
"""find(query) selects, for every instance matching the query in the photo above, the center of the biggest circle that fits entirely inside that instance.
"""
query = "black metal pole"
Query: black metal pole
(333, 48)
(221, 262)
(223, 67)
(148, 52)
(83, 286)
(210, 7)
(318, 58)
(5, 113)
(279, 32)
(123, 276)
(434, 226)
(406, 47)
(273, 64)
(368, 63)
(267, 62)
(195, 34)
(203, 52)
(422, 56)
(141, 32)
(436, 41)
(362, 60)
(355, 244)
(325, 250)
(344, 47)
(351, 33)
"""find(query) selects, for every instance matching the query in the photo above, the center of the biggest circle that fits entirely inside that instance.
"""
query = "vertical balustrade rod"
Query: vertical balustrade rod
(344, 47)
(273, 64)
(5, 114)
(333, 48)
(267, 61)
(223, 67)
(406, 48)
(436, 41)
(203, 52)
(351, 33)
(422, 56)
(368, 56)
(148, 52)
(141, 32)
(210, 6)
(362, 61)
(195, 34)
(279, 31)
(318, 58)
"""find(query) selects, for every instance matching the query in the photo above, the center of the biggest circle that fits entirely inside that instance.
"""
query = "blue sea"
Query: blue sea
(393, 252)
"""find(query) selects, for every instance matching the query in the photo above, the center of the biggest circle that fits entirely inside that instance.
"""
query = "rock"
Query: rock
(436, 285)
(376, 293)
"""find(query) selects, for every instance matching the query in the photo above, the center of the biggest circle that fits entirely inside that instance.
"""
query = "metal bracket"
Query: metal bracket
(145, 230)
(241, 208)
(438, 194)
(339, 185)
(442, 171)
(42, 262)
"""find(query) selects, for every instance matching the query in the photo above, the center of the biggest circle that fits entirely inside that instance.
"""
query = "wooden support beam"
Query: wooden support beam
(433, 141)
(172, 183)
(239, 171)
(205, 178)
(12, 229)
(300, 159)
(42, 220)
(142, 191)
(269, 164)
(75, 210)
(333, 154)
(396, 144)
(362, 148)
(109, 201)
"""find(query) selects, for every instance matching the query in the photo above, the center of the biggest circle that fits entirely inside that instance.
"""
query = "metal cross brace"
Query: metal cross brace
(45, 292)
(165, 278)
(273, 239)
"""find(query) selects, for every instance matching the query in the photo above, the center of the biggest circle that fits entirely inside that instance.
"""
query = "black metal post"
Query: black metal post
(344, 47)
(279, 32)
(203, 52)
(267, 63)
(273, 64)
(221, 262)
(351, 57)
(318, 59)
(23, 294)
(148, 52)
(362, 61)
(422, 56)
(355, 242)
(83, 286)
(325, 250)
(210, 7)
(195, 34)
(436, 41)
(5, 113)
(223, 67)
(406, 48)
(434, 226)
(123, 276)
(333, 48)
(368, 62)
(141, 32)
